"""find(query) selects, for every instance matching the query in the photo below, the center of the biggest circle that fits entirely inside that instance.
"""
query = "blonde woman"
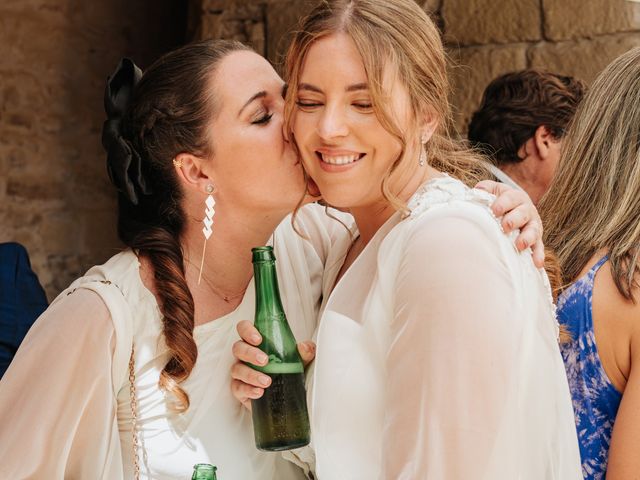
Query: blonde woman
(592, 220)
(437, 354)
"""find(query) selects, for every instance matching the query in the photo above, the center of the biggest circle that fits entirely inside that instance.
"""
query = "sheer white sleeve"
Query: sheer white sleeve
(450, 366)
(57, 406)
(323, 227)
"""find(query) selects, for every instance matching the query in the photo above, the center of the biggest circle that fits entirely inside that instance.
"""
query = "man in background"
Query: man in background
(520, 124)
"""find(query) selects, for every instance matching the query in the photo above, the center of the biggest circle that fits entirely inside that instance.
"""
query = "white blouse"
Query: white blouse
(65, 409)
(437, 355)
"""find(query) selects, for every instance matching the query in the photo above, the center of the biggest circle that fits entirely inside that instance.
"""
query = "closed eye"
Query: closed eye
(307, 104)
(263, 119)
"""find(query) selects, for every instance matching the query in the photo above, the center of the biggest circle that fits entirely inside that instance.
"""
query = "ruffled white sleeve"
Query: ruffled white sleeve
(57, 406)
(450, 364)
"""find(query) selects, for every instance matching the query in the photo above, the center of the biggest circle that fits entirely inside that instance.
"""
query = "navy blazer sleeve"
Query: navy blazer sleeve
(22, 300)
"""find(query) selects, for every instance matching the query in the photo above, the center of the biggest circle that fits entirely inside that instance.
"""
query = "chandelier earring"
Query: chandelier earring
(207, 230)
(422, 160)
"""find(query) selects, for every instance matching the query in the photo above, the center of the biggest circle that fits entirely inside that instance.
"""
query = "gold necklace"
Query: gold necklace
(219, 293)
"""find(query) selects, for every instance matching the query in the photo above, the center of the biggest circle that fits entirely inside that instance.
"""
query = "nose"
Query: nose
(332, 123)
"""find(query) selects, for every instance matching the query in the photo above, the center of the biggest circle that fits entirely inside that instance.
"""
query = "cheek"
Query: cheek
(302, 127)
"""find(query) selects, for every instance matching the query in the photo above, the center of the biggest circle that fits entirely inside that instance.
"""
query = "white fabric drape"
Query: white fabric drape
(437, 355)
(64, 402)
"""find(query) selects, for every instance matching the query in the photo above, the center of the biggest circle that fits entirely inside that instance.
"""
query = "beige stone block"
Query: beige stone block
(97, 232)
(61, 271)
(474, 22)
(61, 233)
(282, 18)
(432, 5)
(474, 68)
(34, 188)
(569, 19)
(213, 5)
(257, 37)
(583, 59)
(20, 214)
(209, 26)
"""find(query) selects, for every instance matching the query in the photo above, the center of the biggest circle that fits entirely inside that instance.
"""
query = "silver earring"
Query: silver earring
(422, 160)
(207, 230)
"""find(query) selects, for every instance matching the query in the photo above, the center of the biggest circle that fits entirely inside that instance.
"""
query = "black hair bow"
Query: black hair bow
(123, 161)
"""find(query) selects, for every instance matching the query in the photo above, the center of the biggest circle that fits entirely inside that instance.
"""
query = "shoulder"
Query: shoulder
(75, 311)
(616, 315)
(451, 225)
(445, 212)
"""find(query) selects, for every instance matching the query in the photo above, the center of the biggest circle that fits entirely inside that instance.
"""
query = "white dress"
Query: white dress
(65, 408)
(437, 355)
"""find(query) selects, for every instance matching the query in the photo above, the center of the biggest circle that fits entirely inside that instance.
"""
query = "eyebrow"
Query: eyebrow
(351, 88)
(261, 94)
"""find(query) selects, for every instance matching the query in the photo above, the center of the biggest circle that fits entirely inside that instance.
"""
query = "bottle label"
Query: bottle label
(275, 365)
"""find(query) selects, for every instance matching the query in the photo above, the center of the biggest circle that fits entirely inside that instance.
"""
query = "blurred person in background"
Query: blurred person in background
(520, 125)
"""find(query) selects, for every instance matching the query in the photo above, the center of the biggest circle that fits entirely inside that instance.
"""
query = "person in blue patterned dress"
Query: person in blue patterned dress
(592, 223)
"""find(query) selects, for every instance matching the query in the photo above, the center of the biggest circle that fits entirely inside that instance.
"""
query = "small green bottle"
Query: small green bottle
(280, 418)
(204, 471)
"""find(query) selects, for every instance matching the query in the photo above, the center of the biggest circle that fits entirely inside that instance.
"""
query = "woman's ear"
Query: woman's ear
(193, 172)
(430, 122)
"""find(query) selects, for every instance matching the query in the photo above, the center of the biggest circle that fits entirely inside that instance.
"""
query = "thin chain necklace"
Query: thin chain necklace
(227, 298)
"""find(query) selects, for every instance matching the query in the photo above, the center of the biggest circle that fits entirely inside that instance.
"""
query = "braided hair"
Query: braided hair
(151, 118)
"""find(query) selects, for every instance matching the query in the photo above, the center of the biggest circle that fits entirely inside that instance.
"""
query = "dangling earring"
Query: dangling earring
(208, 223)
(422, 160)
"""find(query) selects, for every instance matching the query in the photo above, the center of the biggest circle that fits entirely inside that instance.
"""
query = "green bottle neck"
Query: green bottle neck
(268, 302)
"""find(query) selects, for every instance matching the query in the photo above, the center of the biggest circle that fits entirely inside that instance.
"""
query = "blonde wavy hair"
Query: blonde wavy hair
(594, 200)
(401, 34)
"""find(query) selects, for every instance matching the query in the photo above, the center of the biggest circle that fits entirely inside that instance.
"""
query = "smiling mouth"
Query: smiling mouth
(339, 159)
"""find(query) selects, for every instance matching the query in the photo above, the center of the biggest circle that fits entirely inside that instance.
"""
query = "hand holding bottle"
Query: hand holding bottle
(247, 383)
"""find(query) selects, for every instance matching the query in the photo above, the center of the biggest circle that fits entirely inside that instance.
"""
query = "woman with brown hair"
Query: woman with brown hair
(437, 354)
(126, 374)
(592, 223)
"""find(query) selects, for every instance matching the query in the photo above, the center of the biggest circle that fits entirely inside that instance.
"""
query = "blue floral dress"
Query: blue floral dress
(595, 399)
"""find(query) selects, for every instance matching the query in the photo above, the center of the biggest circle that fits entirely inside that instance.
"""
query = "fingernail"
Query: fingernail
(257, 392)
(256, 339)
(264, 380)
(262, 358)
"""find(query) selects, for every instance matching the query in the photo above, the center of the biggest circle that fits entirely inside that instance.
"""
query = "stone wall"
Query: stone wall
(485, 38)
(55, 196)
(573, 37)
(264, 24)
(55, 54)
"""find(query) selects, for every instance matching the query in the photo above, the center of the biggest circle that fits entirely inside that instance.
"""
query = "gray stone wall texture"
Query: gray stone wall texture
(55, 197)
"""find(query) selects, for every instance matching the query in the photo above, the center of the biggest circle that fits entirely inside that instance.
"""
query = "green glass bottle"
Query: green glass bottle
(204, 471)
(280, 418)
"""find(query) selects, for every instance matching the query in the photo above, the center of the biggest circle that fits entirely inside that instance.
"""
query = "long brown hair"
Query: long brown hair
(400, 33)
(170, 112)
(594, 200)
